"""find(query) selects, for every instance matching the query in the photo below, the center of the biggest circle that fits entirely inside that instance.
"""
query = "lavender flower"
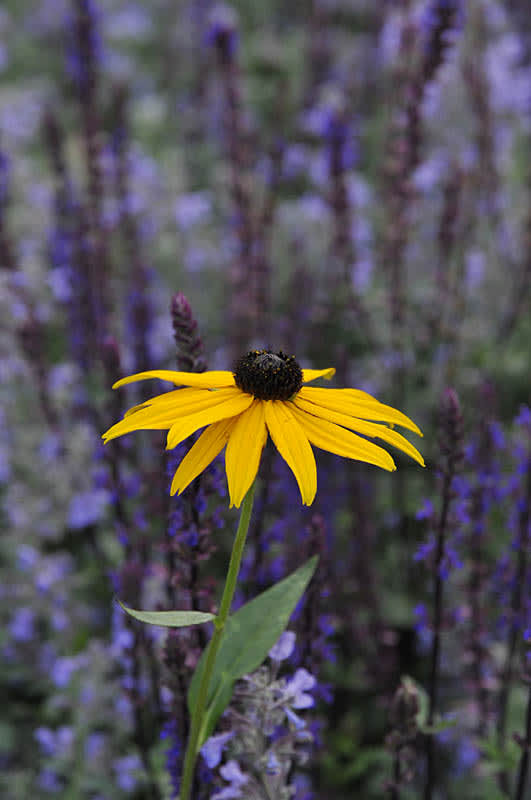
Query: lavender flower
(516, 575)
(267, 735)
(451, 456)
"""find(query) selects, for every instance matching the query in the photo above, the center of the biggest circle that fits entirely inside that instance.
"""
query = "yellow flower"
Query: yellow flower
(266, 393)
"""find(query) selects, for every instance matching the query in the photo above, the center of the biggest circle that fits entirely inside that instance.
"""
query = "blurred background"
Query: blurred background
(346, 180)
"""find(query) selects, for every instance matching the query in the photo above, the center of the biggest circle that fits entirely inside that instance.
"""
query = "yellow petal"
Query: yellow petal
(140, 421)
(167, 399)
(189, 401)
(230, 407)
(242, 457)
(361, 426)
(134, 409)
(313, 374)
(210, 443)
(355, 403)
(160, 416)
(212, 379)
(293, 446)
(337, 440)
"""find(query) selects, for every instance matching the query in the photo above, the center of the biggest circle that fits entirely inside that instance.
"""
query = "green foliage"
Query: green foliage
(249, 635)
(169, 619)
(501, 758)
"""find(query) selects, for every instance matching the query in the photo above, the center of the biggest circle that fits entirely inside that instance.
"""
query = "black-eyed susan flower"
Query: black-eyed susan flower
(266, 394)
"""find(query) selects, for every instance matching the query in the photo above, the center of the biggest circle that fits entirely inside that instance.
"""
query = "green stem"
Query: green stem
(213, 647)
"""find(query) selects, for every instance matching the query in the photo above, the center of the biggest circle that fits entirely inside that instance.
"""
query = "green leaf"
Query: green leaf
(169, 619)
(438, 726)
(249, 635)
(501, 758)
(423, 700)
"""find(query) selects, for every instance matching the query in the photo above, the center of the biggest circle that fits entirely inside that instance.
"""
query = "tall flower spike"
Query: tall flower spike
(190, 349)
(451, 440)
(266, 394)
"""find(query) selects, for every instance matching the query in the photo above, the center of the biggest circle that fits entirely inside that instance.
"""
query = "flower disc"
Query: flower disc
(267, 375)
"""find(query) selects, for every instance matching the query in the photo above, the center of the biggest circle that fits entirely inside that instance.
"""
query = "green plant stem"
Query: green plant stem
(213, 647)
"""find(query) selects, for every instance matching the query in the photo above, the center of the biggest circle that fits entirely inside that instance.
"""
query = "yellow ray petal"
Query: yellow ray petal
(167, 398)
(242, 457)
(140, 421)
(312, 374)
(210, 443)
(134, 409)
(188, 401)
(293, 446)
(180, 403)
(361, 426)
(337, 440)
(356, 404)
(230, 407)
(212, 379)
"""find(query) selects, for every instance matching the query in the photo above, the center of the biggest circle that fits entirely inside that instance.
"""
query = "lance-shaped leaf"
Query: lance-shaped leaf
(249, 635)
(169, 619)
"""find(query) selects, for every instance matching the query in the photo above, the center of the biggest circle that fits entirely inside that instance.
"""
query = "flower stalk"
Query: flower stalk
(198, 714)
(451, 457)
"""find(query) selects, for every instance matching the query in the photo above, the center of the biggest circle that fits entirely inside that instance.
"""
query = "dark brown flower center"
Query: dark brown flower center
(268, 376)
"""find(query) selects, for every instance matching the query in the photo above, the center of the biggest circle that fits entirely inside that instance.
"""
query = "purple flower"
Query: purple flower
(273, 764)
(223, 31)
(191, 209)
(55, 743)
(63, 669)
(295, 720)
(49, 781)
(231, 772)
(127, 769)
(83, 38)
(284, 647)
(212, 749)
(426, 511)
(46, 739)
(95, 745)
(173, 753)
(425, 550)
(27, 557)
(130, 22)
(468, 755)
(87, 508)
(297, 687)
(22, 625)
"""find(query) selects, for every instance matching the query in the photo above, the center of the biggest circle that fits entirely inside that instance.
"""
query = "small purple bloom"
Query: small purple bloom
(63, 669)
(191, 209)
(284, 647)
(425, 550)
(22, 625)
(297, 687)
(212, 749)
(49, 781)
(231, 772)
(426, 511)
(273, 764)
(295, 720)
(46, 739)
(126, 769)
(87, 508)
